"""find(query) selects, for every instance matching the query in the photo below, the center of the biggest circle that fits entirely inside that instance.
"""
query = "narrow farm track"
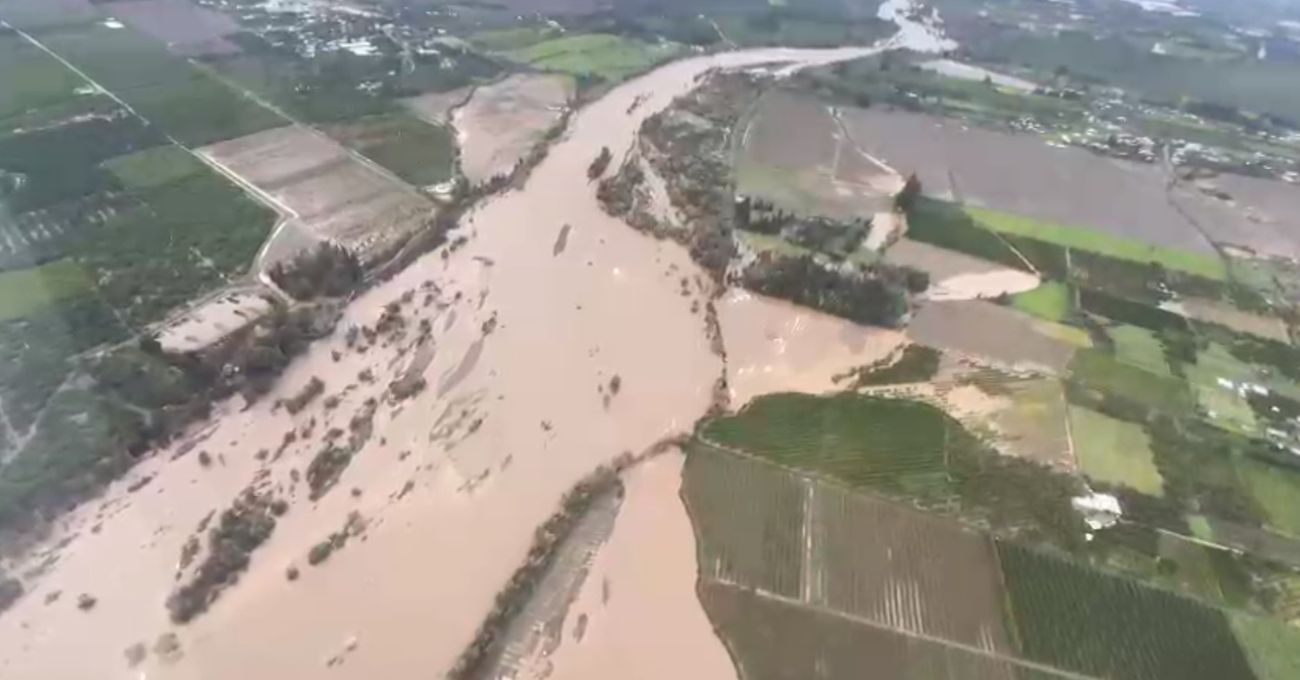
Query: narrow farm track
(864, 621)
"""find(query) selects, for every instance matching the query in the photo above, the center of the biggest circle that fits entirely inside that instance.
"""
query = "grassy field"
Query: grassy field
(609, 57)
(1113, 451)
(1053, 301)
(27, 290)
(866, 441)
(1108, 626)
(1273, 648)
(154, 167)
(1139, 347)
(1083, 238)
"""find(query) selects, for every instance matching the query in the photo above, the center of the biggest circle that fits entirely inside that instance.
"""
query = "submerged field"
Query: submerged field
(820, 171)
(500, 123)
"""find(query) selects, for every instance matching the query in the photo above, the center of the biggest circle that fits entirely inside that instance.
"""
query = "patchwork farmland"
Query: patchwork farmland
(834, 573)
(326, 192)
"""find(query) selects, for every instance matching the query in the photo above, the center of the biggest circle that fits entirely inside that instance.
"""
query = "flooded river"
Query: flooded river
(544, 365)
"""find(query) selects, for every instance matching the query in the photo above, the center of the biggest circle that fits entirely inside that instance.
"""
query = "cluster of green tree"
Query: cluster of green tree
(547, 539)
(946, 225)
(329, 270)
(599, 163)
(35, 352)
(916, 363)
(822, 234)
(876, 295)
(85, 437)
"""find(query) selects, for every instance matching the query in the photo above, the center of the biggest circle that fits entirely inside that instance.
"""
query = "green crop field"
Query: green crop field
(154, 167)
(26, 290)
(63, 164)
(1083, 238)
(774, 640)
(1098, 370)
(187, 237)
(32, 79)
(517, 38)
(1200, 527)
(1109, 626)
(1223, 405)
(1194, 569)
(418, 152)
(862, 440)
(609, 57)
(1272, 647)
(944, 224)
(1140, 314)
(1277, 490)
(184, 101)
(749, 519)
(1053, 301)
(1113, 451)
(1226, 408)
(1139, 347)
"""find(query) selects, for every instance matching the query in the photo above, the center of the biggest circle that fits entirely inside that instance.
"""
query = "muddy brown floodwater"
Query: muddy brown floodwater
(775, 346)
(637, 616)
(451, 485)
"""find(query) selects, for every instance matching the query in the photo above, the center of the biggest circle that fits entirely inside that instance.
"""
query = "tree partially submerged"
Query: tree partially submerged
(329, 270)
(242, 527)
(600, 163)
(910, 191)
